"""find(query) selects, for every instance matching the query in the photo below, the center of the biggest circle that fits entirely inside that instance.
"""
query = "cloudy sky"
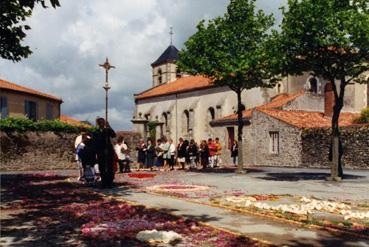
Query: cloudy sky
(69, 43)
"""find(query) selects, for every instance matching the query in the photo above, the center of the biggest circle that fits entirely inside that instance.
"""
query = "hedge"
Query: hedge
(24, 124)
(364, 116)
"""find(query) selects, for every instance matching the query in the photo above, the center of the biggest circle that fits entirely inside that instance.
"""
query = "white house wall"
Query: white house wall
(199, 101)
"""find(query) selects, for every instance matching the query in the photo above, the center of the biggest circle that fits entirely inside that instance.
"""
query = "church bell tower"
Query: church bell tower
(164, 69)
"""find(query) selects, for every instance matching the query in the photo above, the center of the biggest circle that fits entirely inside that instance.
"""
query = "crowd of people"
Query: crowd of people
(166, 155)
(99, 159)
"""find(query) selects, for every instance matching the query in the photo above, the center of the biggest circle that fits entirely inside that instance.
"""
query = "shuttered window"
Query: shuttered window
(4, 107)
(49, 111)
(274, 142)
(30, 109)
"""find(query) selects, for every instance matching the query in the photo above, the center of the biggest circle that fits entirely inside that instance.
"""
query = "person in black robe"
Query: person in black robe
(104, 152)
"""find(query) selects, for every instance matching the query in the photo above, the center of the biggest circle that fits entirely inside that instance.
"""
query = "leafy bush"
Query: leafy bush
(364, 116)
(25, 124)
(152, 130)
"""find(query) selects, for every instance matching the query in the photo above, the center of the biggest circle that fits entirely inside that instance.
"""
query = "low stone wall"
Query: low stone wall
(37, 151)
(45, 150)
(355, 142)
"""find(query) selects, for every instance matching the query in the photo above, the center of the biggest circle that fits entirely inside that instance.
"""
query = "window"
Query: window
(160, 78)
(312, 84)
(219, 111)
(4, 107)
(274, 142)
(30, 109)
(178, 73)
(211, 113)
(49, 111)
(165, 120)
(187, 121)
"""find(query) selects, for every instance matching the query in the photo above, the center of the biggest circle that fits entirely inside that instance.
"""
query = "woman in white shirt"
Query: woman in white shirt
(120, 148)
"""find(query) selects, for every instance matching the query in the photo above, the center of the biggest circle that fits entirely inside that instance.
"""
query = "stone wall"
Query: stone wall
(132, 139)
(355, 141)
(45, 150)
(37, 151)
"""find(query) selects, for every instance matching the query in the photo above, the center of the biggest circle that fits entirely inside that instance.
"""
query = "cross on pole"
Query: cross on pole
(171, 35)
(107, 66)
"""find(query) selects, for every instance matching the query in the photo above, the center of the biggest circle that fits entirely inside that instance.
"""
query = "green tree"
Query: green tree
(231, 51)
(329, 38)
(13, 14)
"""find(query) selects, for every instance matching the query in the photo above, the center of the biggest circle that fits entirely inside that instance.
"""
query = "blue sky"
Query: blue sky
(69, 43)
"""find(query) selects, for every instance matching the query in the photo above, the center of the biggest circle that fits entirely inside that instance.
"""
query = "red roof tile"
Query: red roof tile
(281, 100)
(72, 121)
(14, 87)
(184, 84)
(277, 102)
(305, 119)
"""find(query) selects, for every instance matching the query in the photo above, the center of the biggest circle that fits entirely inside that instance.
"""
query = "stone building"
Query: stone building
(275, 134)
(19, 101)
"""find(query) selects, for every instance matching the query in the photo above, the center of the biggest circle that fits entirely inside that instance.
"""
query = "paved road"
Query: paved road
(305, 182)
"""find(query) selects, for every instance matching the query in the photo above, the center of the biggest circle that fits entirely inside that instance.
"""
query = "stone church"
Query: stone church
(193, 107)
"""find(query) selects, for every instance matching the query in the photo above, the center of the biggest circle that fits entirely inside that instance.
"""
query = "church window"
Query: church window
(178, 73)
(165, 120)
(313, 84)
(187, 121)
(274, 142)
(219, 111)
(279, 88)
(160, 78)
(211, 113)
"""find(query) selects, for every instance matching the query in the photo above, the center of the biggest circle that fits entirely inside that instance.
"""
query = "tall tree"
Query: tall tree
(13, 13)
(231, 51)
(331, 39)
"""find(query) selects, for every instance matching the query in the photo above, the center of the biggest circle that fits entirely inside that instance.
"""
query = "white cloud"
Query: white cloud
(69, 43)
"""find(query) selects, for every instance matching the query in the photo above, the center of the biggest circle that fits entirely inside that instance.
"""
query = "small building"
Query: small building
(293, 130)
(20, 101)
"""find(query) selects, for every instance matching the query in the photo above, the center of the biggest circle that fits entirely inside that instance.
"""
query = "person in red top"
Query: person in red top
(212, 152)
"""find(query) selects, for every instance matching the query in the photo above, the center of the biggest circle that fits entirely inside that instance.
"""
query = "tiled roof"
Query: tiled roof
(14, 87)
(184, 84)
(305, 119)
(277, 102)
(245, 114)
(72, 121)
(282, 99)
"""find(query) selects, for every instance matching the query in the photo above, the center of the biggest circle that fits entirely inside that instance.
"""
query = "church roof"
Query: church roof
(183, 84)
(169, 55)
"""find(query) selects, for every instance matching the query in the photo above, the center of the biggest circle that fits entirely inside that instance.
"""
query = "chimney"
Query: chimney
(328, 100)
